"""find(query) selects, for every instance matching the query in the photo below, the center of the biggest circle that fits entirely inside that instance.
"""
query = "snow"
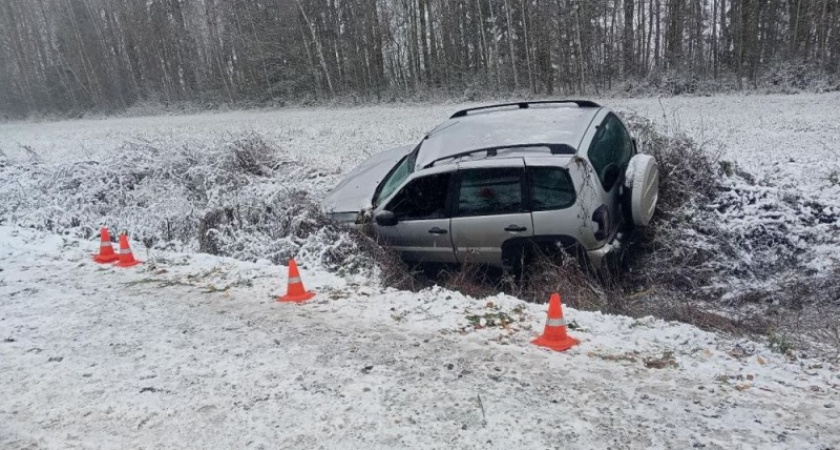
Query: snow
(785, 140)
(191, 350)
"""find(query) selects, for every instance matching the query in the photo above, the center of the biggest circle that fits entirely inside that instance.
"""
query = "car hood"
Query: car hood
(355, 191)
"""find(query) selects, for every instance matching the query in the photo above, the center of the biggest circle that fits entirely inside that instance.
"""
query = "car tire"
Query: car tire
(642, 181)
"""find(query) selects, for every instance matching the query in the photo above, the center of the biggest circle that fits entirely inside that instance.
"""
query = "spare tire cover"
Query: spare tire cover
(643, 180)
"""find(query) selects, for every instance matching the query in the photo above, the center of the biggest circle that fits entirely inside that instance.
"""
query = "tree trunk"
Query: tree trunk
(318, 49)
(628, 38)
(511, 47)
(423, 43)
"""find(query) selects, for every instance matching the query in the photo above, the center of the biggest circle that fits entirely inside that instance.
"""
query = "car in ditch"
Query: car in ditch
(495, 183)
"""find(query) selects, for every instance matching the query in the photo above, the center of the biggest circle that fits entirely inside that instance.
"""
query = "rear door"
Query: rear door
(422, 231)
(609, 154)
(553, 193)
(489, 211)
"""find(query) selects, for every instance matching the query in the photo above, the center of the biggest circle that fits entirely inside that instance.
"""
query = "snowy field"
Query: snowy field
(191, 351)
(788, 139)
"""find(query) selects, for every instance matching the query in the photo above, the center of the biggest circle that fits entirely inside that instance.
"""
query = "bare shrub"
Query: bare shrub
(688, 173)
(274, 228)
(292, 224)
(361, 252)
(208, 227)
(683, 247)
(254, 155)
(829, 335)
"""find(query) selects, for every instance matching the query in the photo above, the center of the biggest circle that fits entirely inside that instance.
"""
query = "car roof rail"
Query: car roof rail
(526, 105)
(554, 149)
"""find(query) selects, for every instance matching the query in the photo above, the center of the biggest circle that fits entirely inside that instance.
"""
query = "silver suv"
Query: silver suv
(493, 182)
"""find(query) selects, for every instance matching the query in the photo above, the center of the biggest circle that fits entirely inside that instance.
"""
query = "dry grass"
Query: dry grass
(473, 280)
(563, 274)
(392, 271)
(665, 361)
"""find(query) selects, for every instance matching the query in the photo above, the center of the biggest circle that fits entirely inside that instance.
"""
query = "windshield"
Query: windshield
(395, 178)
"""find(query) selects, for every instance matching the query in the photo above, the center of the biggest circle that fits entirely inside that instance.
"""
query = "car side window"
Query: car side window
(490, 191)
(423, 198)
(551, 188)
(610, 151)
(396, 177)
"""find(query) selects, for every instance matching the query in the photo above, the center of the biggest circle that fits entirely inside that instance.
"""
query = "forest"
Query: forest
(70, 56)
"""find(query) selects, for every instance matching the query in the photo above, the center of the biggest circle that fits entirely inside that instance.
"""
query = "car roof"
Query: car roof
(537, 124)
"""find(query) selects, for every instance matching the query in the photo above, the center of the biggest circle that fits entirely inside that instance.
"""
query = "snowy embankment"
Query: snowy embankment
(191, 350)
(779, 198)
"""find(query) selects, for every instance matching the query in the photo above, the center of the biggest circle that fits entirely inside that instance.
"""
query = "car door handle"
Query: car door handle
(437, 230)
(515, 228)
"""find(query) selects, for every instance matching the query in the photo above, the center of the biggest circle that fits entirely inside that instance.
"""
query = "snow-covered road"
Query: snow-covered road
(193, 352)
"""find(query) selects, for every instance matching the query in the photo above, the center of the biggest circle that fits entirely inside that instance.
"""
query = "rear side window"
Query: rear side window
(422, 199)
(490, 191)
(551, 188)
(611, 146)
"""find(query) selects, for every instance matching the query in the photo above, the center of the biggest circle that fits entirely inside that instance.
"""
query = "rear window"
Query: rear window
(490, 191)
(610, 146)
(551, 188)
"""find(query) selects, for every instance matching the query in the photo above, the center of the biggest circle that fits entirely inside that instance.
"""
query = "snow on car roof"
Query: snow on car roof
(543, 124)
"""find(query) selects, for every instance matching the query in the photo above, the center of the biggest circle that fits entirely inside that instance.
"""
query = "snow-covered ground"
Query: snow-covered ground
(192, 351)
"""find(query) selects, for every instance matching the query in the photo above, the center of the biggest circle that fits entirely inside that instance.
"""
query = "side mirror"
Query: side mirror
(385, 219)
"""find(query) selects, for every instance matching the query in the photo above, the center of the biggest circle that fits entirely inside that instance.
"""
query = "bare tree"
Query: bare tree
(67, 56)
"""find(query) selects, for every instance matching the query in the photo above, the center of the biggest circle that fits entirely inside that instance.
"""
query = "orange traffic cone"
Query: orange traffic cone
(554, 336)
(106, 249)
(296, 292)
(126, 257)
